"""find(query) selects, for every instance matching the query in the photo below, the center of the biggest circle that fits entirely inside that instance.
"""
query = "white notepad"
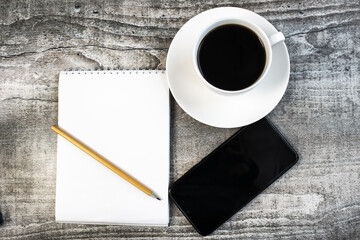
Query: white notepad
(123, 116)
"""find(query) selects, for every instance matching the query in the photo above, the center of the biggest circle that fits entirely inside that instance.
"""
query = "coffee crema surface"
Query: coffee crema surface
(231, 57)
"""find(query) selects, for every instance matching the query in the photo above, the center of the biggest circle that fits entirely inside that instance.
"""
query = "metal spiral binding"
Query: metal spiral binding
(113, 71)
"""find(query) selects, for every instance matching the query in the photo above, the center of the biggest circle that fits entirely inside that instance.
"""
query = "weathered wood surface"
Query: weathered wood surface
(318, 199)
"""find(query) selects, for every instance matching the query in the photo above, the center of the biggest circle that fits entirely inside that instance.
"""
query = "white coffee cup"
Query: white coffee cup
(267, 41)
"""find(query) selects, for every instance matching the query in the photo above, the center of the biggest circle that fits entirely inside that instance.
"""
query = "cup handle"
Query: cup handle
(276, 37)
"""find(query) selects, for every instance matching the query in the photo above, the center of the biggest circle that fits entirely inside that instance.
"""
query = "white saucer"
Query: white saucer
(208, 106)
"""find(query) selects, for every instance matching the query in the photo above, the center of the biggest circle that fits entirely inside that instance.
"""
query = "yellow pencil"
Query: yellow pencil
(105, 162)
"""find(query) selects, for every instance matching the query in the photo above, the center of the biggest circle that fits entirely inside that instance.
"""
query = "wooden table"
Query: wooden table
(318, 199)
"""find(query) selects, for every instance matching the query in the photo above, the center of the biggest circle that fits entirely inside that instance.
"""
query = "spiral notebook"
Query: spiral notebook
(123, 116)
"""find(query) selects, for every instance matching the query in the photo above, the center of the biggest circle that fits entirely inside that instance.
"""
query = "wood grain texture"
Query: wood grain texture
(318, 199)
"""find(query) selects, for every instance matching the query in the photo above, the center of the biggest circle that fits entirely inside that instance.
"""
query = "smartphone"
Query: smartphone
(232, 175)
(1, 218)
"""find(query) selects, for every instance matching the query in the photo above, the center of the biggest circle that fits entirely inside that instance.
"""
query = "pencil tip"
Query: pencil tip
(154, 196)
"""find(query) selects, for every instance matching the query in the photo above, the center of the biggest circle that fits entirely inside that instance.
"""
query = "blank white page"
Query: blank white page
(123, 116)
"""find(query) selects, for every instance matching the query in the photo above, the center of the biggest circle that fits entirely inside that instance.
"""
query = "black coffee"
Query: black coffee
(231, 57)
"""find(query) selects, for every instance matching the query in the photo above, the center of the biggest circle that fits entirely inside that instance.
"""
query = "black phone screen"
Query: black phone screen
(232, 175)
